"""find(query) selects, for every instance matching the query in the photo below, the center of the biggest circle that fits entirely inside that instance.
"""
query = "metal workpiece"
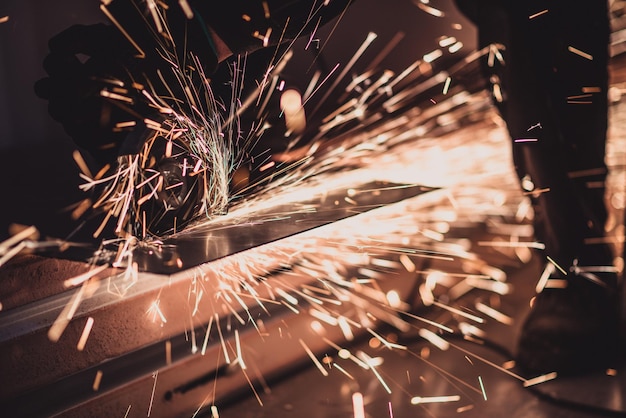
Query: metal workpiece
(229, 235)
(232, 292)
(132, 345)
(134, 351)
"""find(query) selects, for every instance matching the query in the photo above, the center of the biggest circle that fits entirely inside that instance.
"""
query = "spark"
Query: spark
(371, 365)
(482, 387)
(469, 330)
(219, 332)
(494, 53)
(540, 379)
(555, 264)
(288, 298)
(579, 96)
(456, 47)
(197, 302)
(593, 89)
(266, 9)
(115, 96)
(12, 246)
(168, 352)
(497, 93)
(459, 312)
(580, 53)
(63, 319)
(446, 86)
(317, 363)
(358, 406)
(378, 59)
(81, 208)
(434, 339)
(184, 5)
(12, 252)
(488, 362)
(371, 36)
(239, 354)
(152, 8)
(556, 284)
(446, 41)
(493, 313)
(324, 317)
(76, 280)
(432, 56)
(345, 354)
(419, 400)
(508, 365)
(96, 381)
(85, 335)
(586, 173)
(155, 311)
(541, 13)
(429, 9)
(206, 336)
(394, 299)
(429, 322)
(294, 310)
(382, 262)
(443, 372)
(342, 370)
(537, 192)
(127, 411)
(312, 35)
(203, 403)
(311, 86)
(407, 263)
(516, 244)
(386, 343)
(134, 185)
(78, 158)
(4, 19)
(366, 272)
(267, 166)
(465, 408)
(25, 233)
(155, 375)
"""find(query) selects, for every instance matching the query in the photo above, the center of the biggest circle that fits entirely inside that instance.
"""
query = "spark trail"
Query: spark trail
(395, 128)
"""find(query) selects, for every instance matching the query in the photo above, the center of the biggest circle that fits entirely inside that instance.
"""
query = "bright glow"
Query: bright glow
(358, 405)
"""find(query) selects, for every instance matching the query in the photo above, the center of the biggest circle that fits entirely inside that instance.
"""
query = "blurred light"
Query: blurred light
(291, 106)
